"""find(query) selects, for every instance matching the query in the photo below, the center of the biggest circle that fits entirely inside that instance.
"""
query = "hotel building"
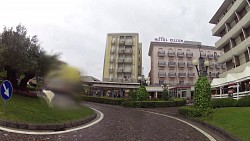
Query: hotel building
(123, 58)
(171, 63)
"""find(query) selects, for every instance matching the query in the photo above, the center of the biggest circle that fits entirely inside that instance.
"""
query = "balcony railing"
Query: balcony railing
(113, 41)
(211, 65)
(128, 51)
(190, 65)
(120, 79)
(112, 50)
(189, 55)
(190, 74)
(180, 54)
(171, 74)
(121, 51)
(203, 55)
(216, 56)
(210, 56)
(120, 60)
(128, 42)
(122, 42)
(119, 70)
(217, 66)
(181, 64)
(171, 64)
(161, 53)
(111, 70)
(127, 70)
(162, 74)
(128, 60)
(171, 54)
(212, 75)
(112, 60)
(161, 63)
(224, 66)
(182, 74)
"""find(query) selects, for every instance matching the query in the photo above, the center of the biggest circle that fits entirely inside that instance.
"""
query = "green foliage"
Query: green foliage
(189, 111)
(105, 100)
(132, 95)
(223, 102)
(180, 101)
(243, 102)
(152, 104)
(165, 94)
(142, 94)
(202, 95)
(3, 74)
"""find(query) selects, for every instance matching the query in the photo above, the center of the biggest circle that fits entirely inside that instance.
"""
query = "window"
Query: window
(170, 50)
(208, 52)
(179, 50)
(188, 51)
(202, 52)
(161, 82)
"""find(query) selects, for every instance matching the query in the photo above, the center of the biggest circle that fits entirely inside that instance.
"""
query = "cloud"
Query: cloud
(78, 28)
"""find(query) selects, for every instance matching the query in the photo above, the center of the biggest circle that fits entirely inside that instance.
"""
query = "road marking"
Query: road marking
(195, 127)
(54, 132)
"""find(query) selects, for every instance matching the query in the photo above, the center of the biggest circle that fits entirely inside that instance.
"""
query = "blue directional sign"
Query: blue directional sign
(6, 90)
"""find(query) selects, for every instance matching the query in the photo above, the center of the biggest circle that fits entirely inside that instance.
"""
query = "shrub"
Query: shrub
(189, 111)
(165, 94)
(152, 104)
(132, 95)
(105, 100)
(243, 102)
(180, 101)
(223, 102)
(202, 95)
(142, 94)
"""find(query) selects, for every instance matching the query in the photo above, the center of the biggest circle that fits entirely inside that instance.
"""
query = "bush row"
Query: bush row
(137, 104)
(230, 102)
(105, 100)
(189, 111)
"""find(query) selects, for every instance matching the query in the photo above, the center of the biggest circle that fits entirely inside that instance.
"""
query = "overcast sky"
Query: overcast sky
(78, 28)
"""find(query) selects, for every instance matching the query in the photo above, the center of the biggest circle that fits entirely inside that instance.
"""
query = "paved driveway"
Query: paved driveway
(122, 124)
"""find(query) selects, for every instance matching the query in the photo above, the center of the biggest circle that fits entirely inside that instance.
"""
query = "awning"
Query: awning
(232, 77)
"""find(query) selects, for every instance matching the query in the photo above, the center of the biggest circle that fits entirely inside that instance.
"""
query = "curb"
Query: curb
(215, 129)
(55, 127)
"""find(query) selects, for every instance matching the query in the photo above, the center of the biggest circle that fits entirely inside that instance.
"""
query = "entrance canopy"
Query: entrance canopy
(231, 78)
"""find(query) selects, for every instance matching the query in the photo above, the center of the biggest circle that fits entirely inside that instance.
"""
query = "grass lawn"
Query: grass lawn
(36, 110)
(235, 120)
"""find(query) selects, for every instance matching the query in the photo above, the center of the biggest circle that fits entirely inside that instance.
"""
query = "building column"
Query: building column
(238, 86)
(220, 91)
(156, 93)
(101, 92)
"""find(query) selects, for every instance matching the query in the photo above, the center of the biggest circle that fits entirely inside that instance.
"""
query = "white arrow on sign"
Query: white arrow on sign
(6, 90)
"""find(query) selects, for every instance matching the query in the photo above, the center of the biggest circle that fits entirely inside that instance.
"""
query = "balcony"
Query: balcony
(120, 60)
(212, 75)
(128, 60)
(127, 70)
(171, 64)
(189, 54)
(203, 55)
(216, 56)
(161, 63)
(181, 64)
(122, 42)
(111, 70)
(161, 53)
(162, 74)
(190, 65)
(113, 41)
(181, 74)
(121, 51)
(171, 74)
(180, 54)
(128, 42)
(119, 70)
(190, 74)
(112, 60)
(217, 66)
(210, 56)
(112, 50)
(120, 79)
(128, 51)
(211, 65)
(171, 54)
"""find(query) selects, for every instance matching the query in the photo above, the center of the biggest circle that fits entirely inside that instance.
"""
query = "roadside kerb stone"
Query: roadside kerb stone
(56, 127)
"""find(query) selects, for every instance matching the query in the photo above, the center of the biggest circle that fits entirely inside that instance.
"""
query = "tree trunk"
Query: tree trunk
(24, 81)
(12, 76)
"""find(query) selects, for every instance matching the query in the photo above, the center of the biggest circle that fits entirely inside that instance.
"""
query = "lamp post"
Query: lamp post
(165, 87)
(139, 79)
(201, 65)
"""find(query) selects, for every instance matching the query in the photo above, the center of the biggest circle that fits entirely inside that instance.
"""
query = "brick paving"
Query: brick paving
(121, 124)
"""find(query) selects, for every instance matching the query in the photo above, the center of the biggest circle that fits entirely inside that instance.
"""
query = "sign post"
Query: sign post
(6, 92)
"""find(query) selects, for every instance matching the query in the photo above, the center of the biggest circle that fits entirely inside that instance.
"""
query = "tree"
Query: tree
(202, 95)
(142, 94)
(21, 54)
(165, 94)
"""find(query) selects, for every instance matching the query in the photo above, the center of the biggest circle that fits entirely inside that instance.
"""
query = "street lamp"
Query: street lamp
(202, 64)
(139, 79)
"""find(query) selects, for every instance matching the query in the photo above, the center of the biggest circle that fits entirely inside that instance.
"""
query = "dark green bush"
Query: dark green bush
(189, 111)
(152, 104)
(223, 102)
(105, 100)
(243, 102)
(180, 102)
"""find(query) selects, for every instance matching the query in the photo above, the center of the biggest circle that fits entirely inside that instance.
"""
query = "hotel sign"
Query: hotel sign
(162, 39)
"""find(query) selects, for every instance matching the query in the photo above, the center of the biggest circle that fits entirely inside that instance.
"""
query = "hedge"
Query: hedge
(243, 102)
(223, 102)
(105, 100)
(154, 104)
(189, 111)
